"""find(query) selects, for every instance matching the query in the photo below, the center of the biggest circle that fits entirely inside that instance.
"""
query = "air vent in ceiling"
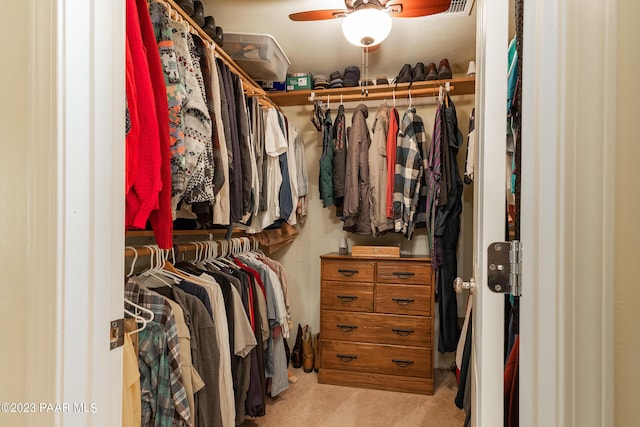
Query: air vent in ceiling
(459, 7)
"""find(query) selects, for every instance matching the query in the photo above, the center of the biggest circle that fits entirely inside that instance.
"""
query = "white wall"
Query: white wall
(322, 230)
(627, 232)
(13, 221)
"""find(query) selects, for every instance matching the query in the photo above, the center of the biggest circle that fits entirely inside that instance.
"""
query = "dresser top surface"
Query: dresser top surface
(402, 258)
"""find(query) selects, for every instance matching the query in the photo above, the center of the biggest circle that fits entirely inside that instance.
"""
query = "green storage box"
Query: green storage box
(299, 82)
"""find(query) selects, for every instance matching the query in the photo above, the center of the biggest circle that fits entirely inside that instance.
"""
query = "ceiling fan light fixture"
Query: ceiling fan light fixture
(366, 27)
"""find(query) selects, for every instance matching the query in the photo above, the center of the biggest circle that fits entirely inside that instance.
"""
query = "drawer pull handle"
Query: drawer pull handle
(403, 301)
(404, 274)
(347, 272)
(402, 363)
(403, 332)
(347, 328)
(347, 357)
(347, 298)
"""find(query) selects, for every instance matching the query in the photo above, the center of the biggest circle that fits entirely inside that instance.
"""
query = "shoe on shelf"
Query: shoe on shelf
(296, 353)
(444, 70)
(307, 349)
(198, 13)
(210, 26)
(418, 73)
(432, 72)
(405, 75)
(186, 5)
(219, 38)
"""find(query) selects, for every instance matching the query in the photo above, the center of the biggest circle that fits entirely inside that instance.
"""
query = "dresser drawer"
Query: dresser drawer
(376, 328)
(403, 299)
(348, 270)
(376, 358)
(403, 272)
(347, 296)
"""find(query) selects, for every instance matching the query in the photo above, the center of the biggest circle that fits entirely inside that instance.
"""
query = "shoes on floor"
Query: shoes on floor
(316, 352)
(296, 353)
(307, 349)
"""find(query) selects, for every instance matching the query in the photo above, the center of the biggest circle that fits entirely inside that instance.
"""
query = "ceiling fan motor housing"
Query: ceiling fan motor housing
(367, 4)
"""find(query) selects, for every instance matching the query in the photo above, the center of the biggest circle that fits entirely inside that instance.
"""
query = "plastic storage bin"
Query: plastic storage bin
(259, 55)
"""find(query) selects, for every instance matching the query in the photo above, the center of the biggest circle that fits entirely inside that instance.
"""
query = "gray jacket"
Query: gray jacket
(356, 187)
(378, 172)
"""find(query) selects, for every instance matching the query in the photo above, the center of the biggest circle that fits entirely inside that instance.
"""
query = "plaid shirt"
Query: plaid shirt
(155, 382)
(410, 163)
(164, 316)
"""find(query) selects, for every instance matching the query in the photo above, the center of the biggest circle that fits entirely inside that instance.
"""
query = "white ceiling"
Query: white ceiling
(320, 48)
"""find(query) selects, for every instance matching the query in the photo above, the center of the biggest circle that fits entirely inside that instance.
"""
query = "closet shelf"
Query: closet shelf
(459, 86)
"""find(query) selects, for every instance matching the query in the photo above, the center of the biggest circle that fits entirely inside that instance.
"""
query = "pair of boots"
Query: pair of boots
(306, 351)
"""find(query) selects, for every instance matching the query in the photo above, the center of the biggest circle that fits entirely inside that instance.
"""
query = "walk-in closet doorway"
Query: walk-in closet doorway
(75, 160)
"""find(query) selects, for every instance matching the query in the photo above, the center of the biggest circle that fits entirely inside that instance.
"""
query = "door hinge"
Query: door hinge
(504, 262)
(116, 333)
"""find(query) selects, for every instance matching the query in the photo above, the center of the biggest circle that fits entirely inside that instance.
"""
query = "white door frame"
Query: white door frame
(568, 126)
(76, 209)
(489, 209)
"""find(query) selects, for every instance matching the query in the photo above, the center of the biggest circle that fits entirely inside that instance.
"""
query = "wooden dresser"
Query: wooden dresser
(376, 323)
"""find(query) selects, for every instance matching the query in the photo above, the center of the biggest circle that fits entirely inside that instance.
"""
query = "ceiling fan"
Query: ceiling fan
(368, 22)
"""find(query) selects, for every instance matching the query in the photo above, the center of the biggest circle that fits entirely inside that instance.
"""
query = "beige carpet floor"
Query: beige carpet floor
(309, 404)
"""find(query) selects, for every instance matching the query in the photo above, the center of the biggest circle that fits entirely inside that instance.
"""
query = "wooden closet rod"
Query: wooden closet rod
(130, 251)
(146, 251)
(250, 87)
(336, 98)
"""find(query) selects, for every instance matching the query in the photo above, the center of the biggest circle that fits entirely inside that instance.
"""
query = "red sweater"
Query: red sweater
(134, 132)
(161, 218)
(391, 158)
(142, 197)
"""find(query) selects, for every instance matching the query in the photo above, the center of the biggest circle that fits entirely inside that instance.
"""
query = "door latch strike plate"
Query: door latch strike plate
(116, 333)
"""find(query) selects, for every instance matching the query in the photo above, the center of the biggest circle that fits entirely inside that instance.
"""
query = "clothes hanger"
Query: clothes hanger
(156, 263)
(410, 99)
(215, 258)
(168, 267)
(446, 96)
(135, 258)
(137, 314)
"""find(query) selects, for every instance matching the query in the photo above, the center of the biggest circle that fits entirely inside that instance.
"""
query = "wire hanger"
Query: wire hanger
(410, 99)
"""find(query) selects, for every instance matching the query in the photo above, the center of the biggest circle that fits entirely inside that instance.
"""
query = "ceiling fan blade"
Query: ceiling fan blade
(416, 8)
(317, 15)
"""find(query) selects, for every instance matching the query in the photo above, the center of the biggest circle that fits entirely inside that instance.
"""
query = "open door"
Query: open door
(487, 363)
